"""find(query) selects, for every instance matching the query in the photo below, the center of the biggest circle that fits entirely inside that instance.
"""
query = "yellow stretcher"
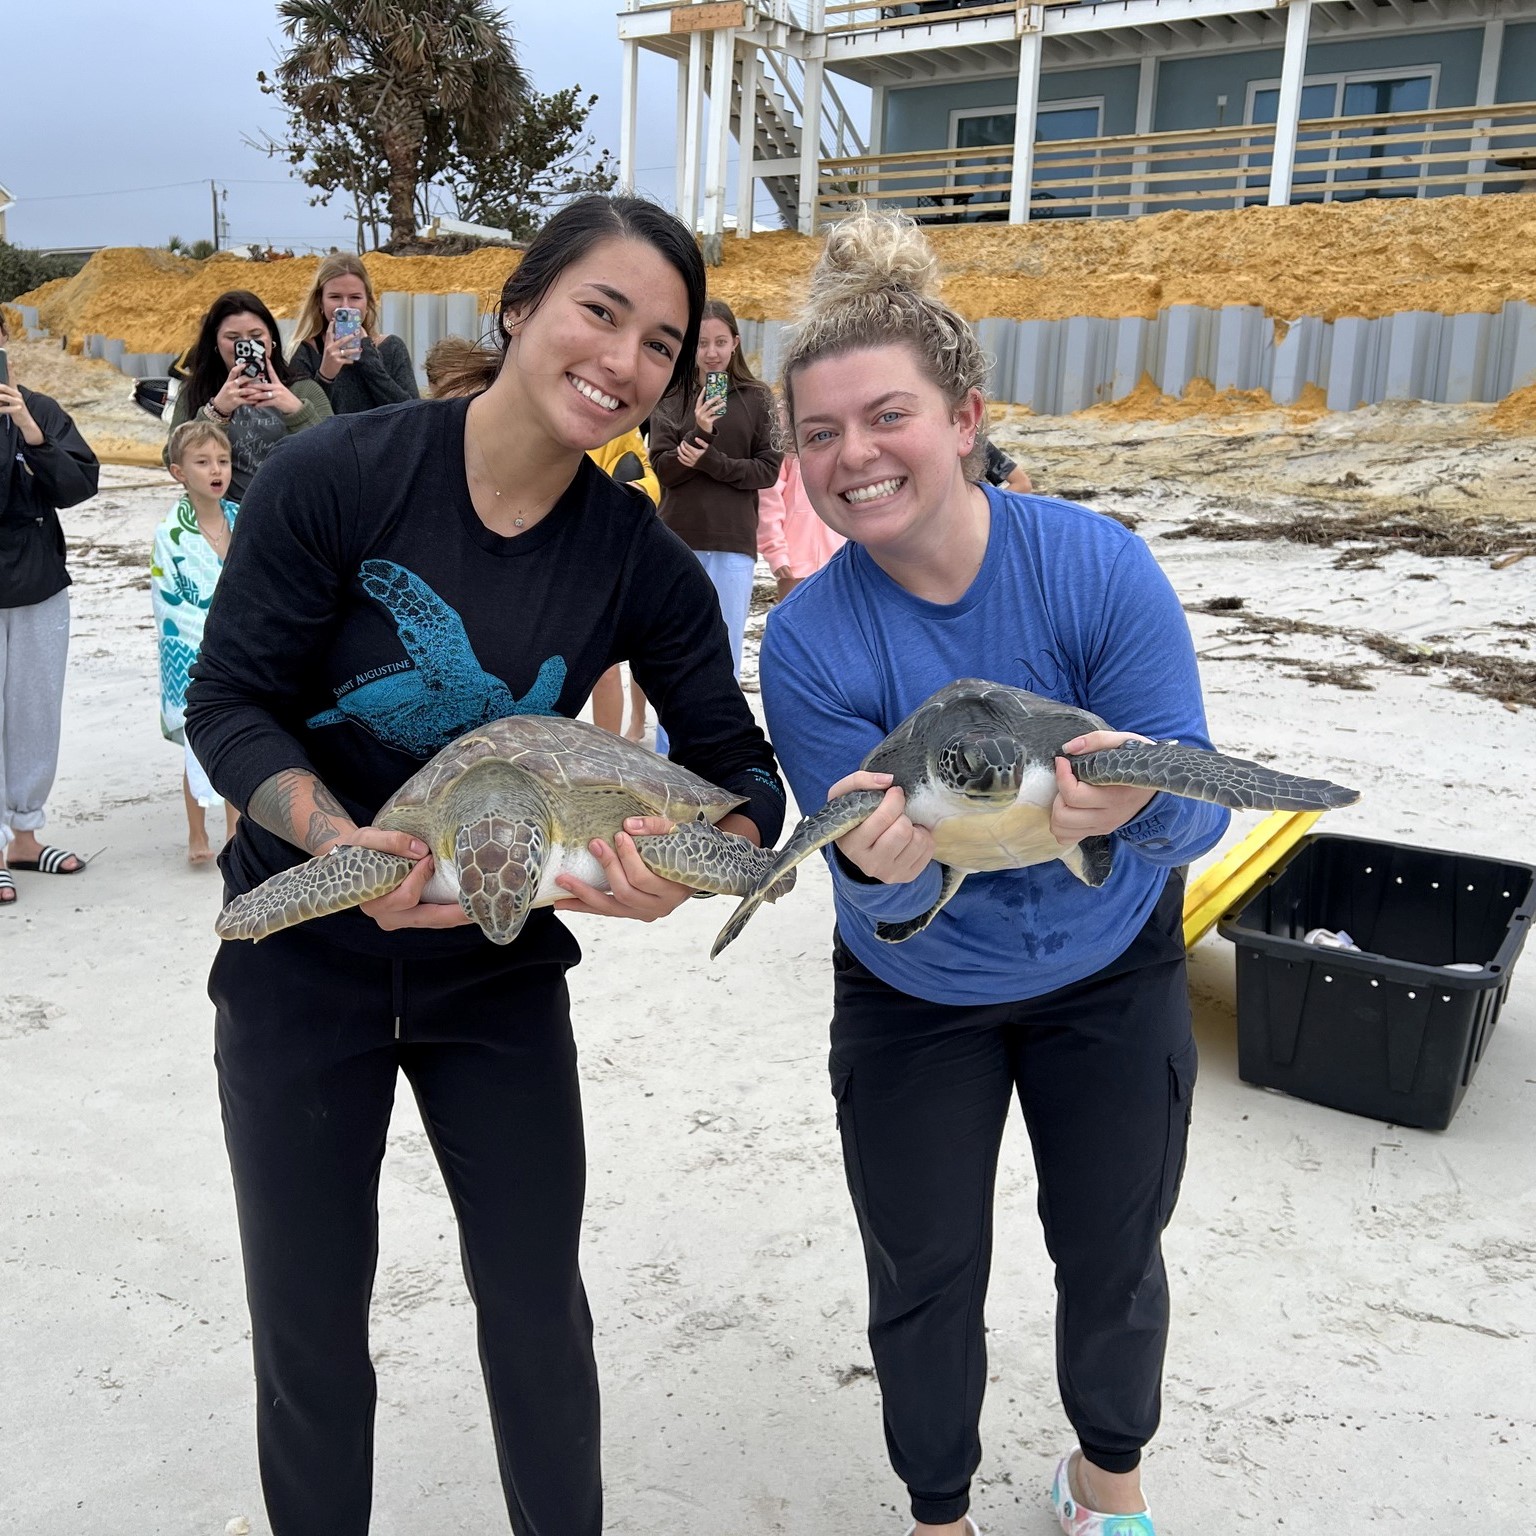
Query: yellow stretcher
(1227, 881)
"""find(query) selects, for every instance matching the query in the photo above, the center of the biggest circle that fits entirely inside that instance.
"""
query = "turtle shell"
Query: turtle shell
(571, 756)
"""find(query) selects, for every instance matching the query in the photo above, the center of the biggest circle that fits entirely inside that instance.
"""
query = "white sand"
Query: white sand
(1354, 1302)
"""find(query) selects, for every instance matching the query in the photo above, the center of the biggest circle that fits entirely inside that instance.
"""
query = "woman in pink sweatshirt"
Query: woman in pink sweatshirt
(790, 536)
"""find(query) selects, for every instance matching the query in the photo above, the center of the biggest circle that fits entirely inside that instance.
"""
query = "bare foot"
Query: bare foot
(635, 730)
(960, 1527)
(199, 853)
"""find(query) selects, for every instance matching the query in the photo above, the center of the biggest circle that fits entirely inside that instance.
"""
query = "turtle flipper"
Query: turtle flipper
(1200, 775)
(827, 825)
(1090, 860)
(345, 877)
(897, 933)
(500, 863)
(711, 862)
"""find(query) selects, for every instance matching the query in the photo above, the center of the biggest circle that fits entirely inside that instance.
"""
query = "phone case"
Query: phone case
(347, 322)
(5, 367)
(716, 385)
(254, 355)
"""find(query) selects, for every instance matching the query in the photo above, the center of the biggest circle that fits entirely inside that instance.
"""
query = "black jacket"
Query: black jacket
(34, 483)
(382, 375)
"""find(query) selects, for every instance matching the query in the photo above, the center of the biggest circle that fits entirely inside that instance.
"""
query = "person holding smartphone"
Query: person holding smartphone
(252, 396)
(340, 346)
(44, 464)
(400, 577)
(712, 447)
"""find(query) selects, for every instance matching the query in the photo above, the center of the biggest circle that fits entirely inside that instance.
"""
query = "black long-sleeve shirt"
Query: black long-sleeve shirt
(366, 617)
(382, 375)
(60, 471)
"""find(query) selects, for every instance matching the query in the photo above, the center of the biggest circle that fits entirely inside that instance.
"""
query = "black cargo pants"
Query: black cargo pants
(1104, 1070)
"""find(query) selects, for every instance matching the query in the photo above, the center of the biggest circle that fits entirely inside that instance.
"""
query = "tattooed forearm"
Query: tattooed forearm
(300, 809)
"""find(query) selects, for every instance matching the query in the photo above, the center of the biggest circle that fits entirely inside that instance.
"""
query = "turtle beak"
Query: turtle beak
(984, 767)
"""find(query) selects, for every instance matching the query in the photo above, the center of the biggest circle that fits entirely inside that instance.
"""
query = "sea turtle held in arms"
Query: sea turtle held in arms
(505, 809)
(977, 764)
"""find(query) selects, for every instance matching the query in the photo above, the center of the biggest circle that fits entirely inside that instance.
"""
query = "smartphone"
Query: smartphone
(347, 322)
(252, 351)
(716, 386)
(5, 367)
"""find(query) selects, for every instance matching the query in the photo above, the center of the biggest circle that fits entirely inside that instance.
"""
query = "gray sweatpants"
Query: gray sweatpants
(34, 646)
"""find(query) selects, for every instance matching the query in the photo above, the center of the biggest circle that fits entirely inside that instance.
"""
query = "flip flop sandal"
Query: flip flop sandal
(1078, 1520)
(7, 884)
(51, 861)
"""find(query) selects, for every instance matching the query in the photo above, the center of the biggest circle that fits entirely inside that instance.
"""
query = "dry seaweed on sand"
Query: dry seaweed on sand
(1505, 680)
(1434, 535)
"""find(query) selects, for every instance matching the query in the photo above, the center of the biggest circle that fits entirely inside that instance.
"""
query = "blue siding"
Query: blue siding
(918, 117)
(1517, 66)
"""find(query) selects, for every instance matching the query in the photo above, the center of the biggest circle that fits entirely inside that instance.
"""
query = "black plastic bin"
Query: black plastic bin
(1389, 1031)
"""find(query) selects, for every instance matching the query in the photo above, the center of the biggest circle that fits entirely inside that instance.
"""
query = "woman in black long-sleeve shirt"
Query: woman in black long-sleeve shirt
(44, 464)
(400, 576)
(359, 372)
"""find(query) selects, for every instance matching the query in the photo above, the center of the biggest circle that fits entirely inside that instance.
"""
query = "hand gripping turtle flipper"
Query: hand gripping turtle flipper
(345, 877)
(1200, 775)
(827, 825)
(710, 862)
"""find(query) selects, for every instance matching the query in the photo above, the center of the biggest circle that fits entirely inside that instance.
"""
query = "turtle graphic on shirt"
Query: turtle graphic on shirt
(445, 692)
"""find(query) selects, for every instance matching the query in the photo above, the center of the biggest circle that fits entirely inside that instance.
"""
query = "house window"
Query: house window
(982, 127)
(1319, 175)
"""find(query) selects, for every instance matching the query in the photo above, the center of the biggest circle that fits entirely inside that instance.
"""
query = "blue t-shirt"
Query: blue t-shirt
(1068, 604)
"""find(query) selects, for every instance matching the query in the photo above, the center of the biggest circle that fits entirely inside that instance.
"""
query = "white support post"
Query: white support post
(877, 120)
(746, 144)
(721, 69)
(629, 94)
(1146, 97)
(810, 140)
(682, 134)
(1293, 74)
(1487, 90)
(689, 211)
(1026, 115)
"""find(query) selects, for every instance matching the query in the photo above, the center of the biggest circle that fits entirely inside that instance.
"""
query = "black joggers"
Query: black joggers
(1104, 1070)
(309, 1039)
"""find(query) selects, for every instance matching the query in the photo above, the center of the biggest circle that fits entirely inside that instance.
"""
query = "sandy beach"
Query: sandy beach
(1354, 1302)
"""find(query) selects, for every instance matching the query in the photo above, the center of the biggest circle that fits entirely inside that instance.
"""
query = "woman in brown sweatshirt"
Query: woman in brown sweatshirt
(712, 458)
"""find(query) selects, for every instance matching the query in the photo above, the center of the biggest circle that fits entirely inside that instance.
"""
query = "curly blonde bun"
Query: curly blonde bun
(873, 253)
(875, 285)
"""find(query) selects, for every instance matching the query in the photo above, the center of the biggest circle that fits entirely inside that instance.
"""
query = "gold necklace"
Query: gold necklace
(495, 490)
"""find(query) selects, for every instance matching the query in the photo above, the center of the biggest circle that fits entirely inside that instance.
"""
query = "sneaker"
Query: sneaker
(1078, 1520)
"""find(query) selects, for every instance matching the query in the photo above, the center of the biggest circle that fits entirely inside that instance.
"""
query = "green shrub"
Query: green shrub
(21, 271)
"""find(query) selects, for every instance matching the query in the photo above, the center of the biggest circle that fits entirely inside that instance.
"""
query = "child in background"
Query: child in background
(190, 546)
(790, 536)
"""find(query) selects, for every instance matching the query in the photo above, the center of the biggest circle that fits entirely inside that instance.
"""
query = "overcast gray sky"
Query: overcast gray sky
(114, 115)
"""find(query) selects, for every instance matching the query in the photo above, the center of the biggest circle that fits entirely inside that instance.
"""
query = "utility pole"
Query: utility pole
(213, 192)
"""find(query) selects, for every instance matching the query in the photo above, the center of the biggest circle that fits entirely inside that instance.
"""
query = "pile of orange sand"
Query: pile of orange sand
(1451, 254)
(1516, 412)
(1455, 255)
(152, 301)
(1148, 403)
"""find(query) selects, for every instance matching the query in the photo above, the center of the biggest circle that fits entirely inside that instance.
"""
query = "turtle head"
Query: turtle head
(981, 765)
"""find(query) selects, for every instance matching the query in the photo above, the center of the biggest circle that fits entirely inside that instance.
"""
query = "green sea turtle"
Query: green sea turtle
(504, 810)
(976, 762)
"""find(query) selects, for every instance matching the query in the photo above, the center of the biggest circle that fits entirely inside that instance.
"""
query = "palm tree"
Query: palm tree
(425, 76)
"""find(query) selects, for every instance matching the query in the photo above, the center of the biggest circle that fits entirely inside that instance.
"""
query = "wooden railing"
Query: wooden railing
(1396, 153)
(844, 18)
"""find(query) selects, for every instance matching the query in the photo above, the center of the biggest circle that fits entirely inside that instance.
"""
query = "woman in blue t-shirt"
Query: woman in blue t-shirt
(1027, 982)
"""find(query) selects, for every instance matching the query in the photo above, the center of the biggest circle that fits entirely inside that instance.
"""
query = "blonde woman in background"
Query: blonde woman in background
(358, 372)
